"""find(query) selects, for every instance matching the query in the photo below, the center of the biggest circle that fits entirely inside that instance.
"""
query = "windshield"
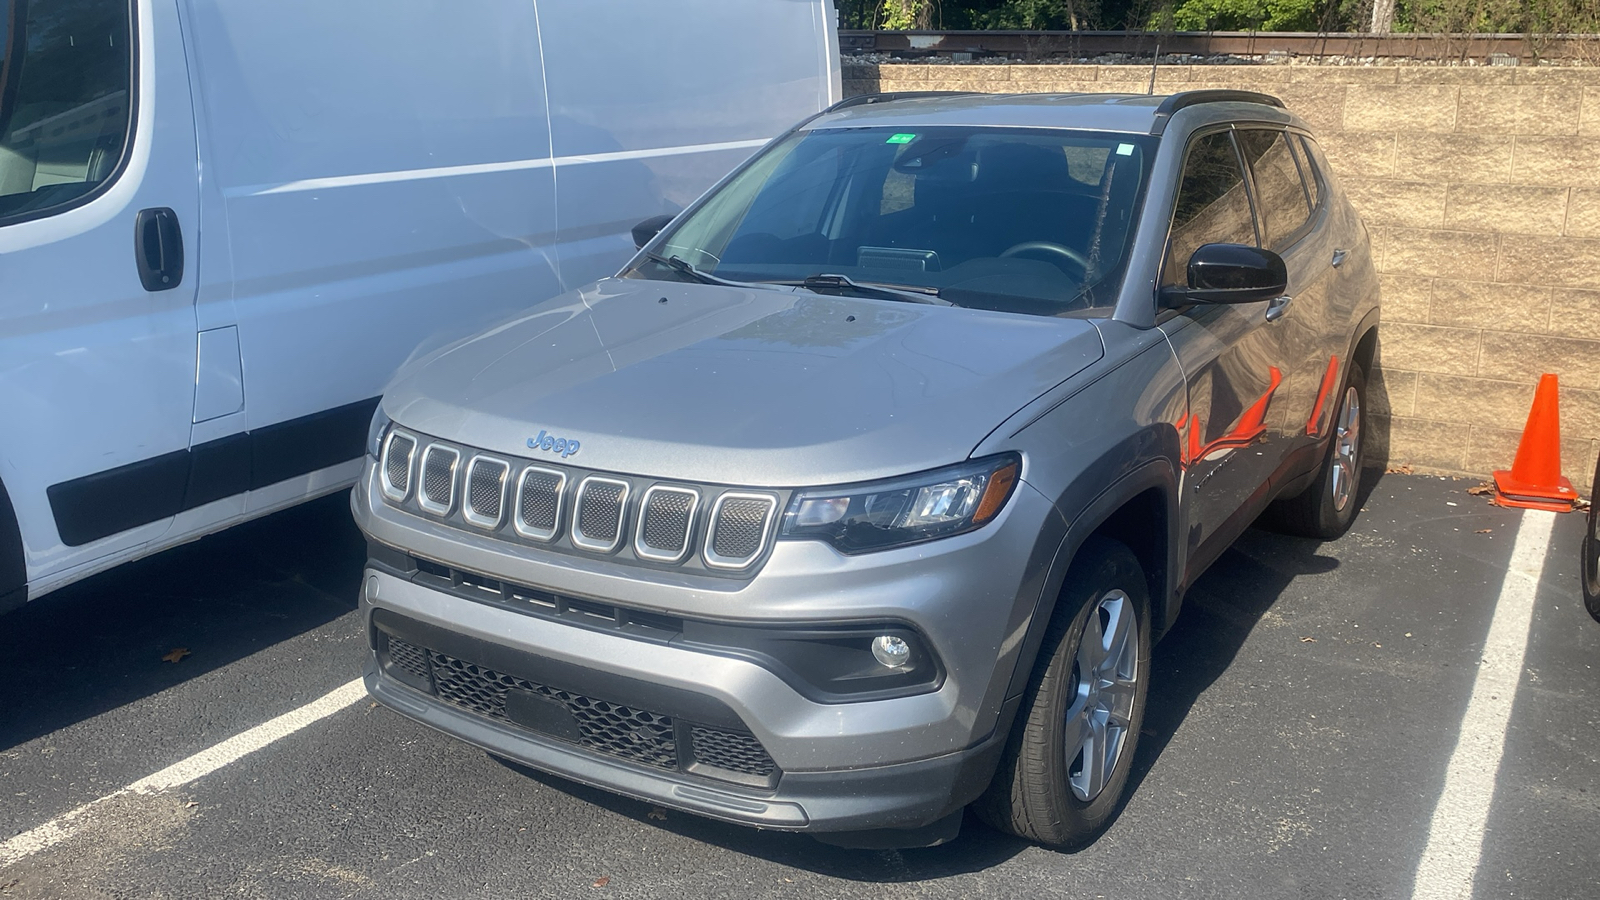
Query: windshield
(1031, 221)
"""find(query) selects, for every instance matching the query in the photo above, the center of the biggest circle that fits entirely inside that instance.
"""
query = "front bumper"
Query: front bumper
(899, 762)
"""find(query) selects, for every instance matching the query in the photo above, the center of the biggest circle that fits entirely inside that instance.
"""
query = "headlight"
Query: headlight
(885, 514)
(376, 431)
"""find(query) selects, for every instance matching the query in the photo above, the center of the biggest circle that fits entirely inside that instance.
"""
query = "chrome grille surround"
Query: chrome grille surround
(438, 473)
(398, 489)
(484, 500)
(591, 520)
(741, 526)
(542, 490)
(660, 510)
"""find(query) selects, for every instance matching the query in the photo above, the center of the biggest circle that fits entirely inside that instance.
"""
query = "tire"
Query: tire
(1043, 790)
(1591, 550)
(1326, 508)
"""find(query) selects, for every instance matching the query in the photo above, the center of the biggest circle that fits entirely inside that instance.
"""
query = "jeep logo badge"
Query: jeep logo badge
(553, 444)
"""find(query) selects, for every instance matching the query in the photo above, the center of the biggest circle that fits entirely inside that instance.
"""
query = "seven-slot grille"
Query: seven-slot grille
(666, 523)
(397, 456)
(486, 491)
(739, 526)
(438, 494)
(662, 524)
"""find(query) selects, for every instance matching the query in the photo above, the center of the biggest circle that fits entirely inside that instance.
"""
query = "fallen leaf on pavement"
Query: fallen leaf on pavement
(176, 654)
(1399, 470)
(1483, 531)
(602, 881)
(1481, 489)
(1308, 640)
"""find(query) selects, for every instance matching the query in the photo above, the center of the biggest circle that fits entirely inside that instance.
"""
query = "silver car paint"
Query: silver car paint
(774, 388)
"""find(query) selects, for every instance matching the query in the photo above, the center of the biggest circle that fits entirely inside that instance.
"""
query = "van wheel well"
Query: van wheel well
(13, 564)
(1141, 525)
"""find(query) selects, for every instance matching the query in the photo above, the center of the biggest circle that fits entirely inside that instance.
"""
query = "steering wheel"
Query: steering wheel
(1059, 250)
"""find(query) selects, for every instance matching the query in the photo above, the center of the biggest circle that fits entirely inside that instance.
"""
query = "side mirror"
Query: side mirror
(645, 231)
(1232, 273)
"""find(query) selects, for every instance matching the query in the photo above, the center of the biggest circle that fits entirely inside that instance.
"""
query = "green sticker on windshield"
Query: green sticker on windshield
(900, 139)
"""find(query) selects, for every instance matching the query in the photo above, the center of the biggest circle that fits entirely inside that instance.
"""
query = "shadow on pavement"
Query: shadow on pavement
(98, 644)
(1219, 614)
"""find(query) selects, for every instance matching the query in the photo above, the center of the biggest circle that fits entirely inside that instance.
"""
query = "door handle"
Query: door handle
(1338, 257)
(1277, 306)
(158, 248)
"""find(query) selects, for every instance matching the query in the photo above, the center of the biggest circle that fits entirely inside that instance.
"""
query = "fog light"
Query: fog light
(891, 651)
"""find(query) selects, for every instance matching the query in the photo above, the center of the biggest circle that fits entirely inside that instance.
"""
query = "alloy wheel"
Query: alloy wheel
(1346, 449)
(1105, 675)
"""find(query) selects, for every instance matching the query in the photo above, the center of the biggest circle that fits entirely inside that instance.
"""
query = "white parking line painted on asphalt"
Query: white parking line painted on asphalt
(1455, 836)
(184, 771)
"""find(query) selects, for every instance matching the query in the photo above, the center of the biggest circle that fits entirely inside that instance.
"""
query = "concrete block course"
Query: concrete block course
(1481, 188)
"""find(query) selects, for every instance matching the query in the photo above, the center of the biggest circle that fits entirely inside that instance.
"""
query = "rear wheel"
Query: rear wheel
(1326, 508)
(1591, 550)
(1070, 752)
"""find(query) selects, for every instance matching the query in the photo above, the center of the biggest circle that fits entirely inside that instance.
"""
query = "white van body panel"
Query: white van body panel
(357, 183)
(95, 372)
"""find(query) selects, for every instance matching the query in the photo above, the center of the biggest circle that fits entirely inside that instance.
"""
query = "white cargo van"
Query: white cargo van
(224, 225)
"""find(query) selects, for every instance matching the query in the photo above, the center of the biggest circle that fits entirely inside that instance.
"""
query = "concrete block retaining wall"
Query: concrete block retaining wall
(1481, 186)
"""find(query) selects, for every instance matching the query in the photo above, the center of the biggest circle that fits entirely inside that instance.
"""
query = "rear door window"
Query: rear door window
(1213, 206)
(1281, 194)
(65, 78)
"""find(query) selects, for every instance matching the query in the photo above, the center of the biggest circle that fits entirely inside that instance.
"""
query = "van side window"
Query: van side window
(1313, 189)
(1212, 208)
(64, 100)
(1281, 196)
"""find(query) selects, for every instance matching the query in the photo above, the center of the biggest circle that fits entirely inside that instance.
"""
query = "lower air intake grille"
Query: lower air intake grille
(608, 728)
(731, 750)
(602, 726)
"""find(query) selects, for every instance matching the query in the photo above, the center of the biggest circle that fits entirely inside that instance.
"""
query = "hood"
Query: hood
(774, 388)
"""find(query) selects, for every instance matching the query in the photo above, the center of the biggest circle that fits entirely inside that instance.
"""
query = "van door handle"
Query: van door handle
(158, 248)
(1277, 306)
(1338, 257)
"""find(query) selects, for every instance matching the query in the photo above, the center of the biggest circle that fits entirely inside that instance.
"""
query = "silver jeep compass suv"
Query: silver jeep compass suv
(859, 495)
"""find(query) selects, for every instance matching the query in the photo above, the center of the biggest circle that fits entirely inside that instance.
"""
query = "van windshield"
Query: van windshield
(1034, 221)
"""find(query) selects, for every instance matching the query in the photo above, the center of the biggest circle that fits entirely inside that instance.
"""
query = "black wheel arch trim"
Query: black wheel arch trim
(13, 561)
(1157, 474)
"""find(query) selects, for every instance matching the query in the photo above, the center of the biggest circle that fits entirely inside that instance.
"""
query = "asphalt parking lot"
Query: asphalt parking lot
(1303, 719)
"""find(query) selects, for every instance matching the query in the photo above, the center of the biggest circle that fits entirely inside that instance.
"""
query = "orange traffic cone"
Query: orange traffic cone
(1535, 481)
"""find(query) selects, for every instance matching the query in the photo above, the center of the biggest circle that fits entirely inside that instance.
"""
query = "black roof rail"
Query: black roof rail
(1186, 99)
(864, 99)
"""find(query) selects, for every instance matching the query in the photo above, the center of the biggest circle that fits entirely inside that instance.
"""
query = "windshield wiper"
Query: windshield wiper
(823, 283)
(682, 266)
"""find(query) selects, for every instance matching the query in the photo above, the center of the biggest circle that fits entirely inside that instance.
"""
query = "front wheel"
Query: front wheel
(1068, 757)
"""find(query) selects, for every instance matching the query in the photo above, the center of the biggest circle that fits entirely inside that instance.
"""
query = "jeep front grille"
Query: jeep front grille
(539, 502)
(486, 491)
(739, 527)
(666, 523)
(597, 519)
(397, 454)
(438, 494)
(715, 531)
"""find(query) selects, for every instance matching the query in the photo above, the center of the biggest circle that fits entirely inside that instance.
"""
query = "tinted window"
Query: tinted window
(1213, 207)
(64, 78)
(1019, 220)
(1281, 196)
